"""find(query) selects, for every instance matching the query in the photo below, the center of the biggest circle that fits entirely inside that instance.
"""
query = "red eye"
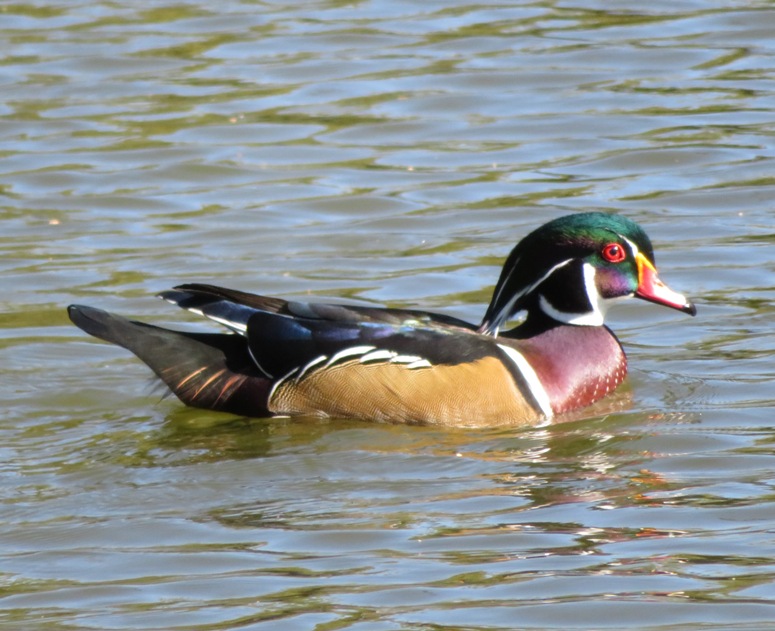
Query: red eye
(614, 253)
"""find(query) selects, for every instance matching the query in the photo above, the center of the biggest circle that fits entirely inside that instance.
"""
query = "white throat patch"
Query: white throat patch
(594, 317)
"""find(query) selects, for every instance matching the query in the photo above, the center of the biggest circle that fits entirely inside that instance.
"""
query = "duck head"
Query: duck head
(572, 268)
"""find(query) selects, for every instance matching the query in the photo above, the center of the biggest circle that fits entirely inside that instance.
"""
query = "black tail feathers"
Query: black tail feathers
(206, 370)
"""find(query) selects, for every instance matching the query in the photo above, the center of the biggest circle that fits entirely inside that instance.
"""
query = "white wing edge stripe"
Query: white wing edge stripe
(198, 312)
(348, 352)
(378, 355)
(229, 324)
(277, 384)
(410, 362)
(406, 359)
(309, 365)
(259, 366)
(237, 327)
(531, 378)
(369, 354)
(420, 363)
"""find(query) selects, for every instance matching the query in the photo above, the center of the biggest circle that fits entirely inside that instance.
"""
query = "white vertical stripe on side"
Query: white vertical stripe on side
(531, 378)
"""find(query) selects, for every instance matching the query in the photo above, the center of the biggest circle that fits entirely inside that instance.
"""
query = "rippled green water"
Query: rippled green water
(390, 153)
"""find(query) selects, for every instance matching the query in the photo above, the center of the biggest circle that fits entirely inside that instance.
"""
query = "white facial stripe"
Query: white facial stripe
(497, 296)
(633, 247)
(531, 379)
(505, 313)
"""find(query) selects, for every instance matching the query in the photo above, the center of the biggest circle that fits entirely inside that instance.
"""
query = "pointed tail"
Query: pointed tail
(206, 370)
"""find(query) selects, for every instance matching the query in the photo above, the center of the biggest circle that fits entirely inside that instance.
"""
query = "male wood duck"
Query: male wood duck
(285, 358)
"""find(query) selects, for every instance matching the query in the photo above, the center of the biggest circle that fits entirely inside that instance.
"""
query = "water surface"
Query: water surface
(387, 153)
